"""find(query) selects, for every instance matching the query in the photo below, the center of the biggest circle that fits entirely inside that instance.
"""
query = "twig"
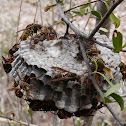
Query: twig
(19, 19)
(10, 121)
(36, 12)
(40, 7)
(89, 17)
(78, 32)
(87, 61)
(105, 18)
(80, 5)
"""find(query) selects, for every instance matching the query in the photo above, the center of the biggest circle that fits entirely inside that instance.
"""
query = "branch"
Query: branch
(104, 18)
(80, 5)
(89, 16)
(10, 121)
(40, 2)
(80, 34)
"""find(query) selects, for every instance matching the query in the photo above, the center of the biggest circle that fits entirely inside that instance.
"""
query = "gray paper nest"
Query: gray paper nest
(67, 97)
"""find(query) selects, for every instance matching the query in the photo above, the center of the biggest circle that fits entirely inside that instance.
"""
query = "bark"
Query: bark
(101, 7)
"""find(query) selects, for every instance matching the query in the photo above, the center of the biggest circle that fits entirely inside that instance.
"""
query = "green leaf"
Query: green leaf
(48, 7)
(97, 14)
(107, 100)
(78, 13)
(109, 82)
(117, 40)
(111, 90)
(103, 29)
(96, 65)
(28, 109)
(113, 18)
(82, 10)
(124, 45)
(85, 6)
(118, 99)
(6, 52)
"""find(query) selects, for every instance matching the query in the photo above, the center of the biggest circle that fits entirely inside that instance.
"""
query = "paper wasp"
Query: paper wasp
(46, 33)
(62, 114)
(122, 67)
(90, 52)
(68, 76)
(13, 49)
(7, 64)
(22, 85)
(30, 30)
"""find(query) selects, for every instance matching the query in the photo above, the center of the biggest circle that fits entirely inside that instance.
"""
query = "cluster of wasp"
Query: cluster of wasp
(38, 33)
(37, 105)
(7, 61)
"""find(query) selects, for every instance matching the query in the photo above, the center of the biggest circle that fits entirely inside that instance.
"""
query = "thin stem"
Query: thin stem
(105, 18)
(36, 12)
(19, 19)
(80, 5)
(89, 17)
(40, 7)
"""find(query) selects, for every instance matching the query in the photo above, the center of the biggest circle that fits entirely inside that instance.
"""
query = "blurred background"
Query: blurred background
(16, 15)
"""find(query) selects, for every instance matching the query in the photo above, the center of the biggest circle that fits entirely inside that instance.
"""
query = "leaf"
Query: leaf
(49, 7)
(113, 89)
(108, 71)
(117, 40)
(113, 18)
(124, 45)
(97, 14)
(28, 109)
(82, 10)
(78, 13)
(107, 100)
(103, 29)
(85, 6)
(96, 65)
(118, 99)
(109, 82)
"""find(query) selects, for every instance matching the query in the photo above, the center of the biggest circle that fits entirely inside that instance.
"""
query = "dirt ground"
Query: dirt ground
(10, 105)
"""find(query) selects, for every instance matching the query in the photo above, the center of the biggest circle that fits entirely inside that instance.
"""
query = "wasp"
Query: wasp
(23, 85)
(62, 114)
(68, 76)
(30, 30)
(122, 67)
(7, 64)
(90, 52)
(51, 33)
(18, 90)
(13, 49)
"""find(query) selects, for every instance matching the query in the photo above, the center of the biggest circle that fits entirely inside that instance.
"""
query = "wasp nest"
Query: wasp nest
(50, 72)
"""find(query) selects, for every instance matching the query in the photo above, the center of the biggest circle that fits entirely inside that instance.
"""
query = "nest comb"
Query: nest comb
(43, 71)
